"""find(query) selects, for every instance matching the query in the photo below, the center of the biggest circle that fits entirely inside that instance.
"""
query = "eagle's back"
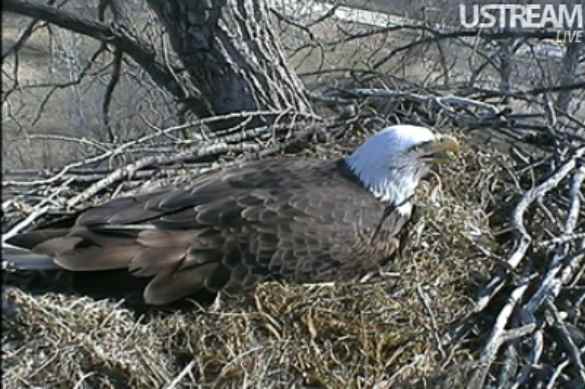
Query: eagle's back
(299, 220)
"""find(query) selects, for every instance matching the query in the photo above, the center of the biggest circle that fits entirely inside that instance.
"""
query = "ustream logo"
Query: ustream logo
(566, 19)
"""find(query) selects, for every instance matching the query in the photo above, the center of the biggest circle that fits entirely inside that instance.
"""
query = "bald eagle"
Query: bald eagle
(296, 220)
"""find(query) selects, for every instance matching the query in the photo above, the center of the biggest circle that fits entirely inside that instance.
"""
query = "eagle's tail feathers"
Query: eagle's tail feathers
(18, 258)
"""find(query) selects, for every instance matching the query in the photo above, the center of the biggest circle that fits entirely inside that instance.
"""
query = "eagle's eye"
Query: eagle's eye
(423, 148)
(439, 150)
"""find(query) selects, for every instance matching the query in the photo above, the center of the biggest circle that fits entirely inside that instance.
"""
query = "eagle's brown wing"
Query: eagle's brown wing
(299, 220)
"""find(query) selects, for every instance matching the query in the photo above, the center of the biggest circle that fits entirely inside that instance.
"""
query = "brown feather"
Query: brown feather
(232, 229)
(161, 238)
(167, 287)
(95, 258)
(148, 262)
(34, 238)
(57, 246)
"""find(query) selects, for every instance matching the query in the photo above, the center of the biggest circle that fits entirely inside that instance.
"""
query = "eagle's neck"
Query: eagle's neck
(392, 185)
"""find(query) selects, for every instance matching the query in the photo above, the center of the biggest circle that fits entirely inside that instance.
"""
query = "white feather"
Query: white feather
(384, 166)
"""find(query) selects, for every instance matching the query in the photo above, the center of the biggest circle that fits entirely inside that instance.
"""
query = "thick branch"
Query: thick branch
(486, 94)
(134, 47)
(488, 35)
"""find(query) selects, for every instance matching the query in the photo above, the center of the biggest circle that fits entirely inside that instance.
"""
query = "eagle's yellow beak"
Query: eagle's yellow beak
(445, 147)
(440, 150)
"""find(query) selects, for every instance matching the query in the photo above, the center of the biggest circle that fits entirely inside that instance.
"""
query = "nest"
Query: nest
(415, 324)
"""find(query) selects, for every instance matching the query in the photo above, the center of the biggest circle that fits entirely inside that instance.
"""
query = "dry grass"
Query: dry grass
(381, 332)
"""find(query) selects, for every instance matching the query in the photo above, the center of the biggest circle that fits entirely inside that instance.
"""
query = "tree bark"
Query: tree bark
(232, 56)
(568, 73)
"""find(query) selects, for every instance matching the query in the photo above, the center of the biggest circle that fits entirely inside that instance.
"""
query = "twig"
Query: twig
(550, 285)
(128, 170)
(524, 240)
(496, 338)
(559, 370)
(173, 384)
(39, 210)
(565, 238)
(431, 314)
(568, 342)
(146, 138)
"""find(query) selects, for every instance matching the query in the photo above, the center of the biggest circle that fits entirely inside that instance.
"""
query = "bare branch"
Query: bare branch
(133, 46)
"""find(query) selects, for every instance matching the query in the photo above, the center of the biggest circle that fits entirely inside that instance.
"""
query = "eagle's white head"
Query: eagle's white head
(392, 162)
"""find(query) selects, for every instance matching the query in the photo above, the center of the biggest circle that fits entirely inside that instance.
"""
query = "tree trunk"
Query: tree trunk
(229, 59)
(231, 56)
(568, 73)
